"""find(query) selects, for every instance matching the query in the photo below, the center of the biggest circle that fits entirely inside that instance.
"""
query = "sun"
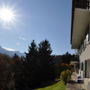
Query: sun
(7, 14)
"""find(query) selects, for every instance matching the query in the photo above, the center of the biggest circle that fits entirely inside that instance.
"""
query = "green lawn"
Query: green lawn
(58, 86)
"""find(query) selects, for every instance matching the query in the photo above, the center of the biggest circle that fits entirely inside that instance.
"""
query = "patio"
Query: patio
(74, 85)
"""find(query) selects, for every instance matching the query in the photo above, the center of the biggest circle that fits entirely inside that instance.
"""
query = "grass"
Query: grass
(57, 86)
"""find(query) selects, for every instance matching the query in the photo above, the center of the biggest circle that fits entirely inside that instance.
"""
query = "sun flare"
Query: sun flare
(7, 14)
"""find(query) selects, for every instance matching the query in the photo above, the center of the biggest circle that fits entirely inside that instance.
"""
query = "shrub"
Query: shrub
(66, 75)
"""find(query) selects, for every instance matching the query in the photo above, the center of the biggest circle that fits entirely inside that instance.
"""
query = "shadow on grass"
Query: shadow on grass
(73, 82)
(46, 84)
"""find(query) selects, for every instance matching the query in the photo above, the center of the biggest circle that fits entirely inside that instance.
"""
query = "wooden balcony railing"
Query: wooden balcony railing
(83, 4)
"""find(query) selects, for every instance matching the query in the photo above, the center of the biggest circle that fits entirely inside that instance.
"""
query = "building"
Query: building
(80, 36)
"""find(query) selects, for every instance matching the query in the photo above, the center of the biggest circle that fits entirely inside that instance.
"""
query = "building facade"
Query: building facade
(80, 36)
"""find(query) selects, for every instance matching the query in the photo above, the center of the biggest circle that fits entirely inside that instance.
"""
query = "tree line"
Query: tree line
(35, 70)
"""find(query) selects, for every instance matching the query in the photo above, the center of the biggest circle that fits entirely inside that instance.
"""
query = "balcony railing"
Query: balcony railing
(88, 4)
(83, 4)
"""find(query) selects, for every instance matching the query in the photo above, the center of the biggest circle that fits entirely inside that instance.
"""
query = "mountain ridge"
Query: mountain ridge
(10, 53)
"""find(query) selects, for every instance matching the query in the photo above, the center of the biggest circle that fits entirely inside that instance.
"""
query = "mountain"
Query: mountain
(10, 53)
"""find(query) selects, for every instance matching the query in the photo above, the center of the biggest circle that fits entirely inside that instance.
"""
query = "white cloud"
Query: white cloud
(22, 38)
(9, 49)
(18, 44)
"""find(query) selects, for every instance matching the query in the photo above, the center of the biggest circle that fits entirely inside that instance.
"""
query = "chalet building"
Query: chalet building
(80, 36)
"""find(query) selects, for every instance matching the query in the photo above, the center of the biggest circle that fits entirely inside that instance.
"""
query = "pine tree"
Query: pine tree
(39, 65)
(31, 65)
(32, 52)
(18, 71)
(46, 61)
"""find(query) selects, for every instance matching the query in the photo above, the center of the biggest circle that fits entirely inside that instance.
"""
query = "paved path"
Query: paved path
(74, 86)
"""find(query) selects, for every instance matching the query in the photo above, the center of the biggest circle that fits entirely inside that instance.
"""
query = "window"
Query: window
(87, 38)
(85, 69)
(82, 66)
(85, 41)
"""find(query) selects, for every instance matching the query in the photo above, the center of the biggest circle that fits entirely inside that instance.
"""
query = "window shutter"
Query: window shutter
(85, 69)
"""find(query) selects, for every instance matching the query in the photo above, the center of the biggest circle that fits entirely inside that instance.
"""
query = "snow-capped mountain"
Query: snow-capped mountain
(10, 53)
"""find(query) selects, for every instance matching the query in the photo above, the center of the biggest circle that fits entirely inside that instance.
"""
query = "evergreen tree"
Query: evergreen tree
(31, 66)
(18, 72)
(39, 64)
(32, 52)
(67, 58)
(46, 61)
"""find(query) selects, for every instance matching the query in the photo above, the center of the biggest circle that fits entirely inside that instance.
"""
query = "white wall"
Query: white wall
(85, 55)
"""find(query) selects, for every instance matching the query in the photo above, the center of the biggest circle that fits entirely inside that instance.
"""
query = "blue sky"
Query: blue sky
(37, 20)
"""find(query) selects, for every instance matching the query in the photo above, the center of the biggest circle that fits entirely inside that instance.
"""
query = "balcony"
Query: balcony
(84, 4)
(80, 21)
